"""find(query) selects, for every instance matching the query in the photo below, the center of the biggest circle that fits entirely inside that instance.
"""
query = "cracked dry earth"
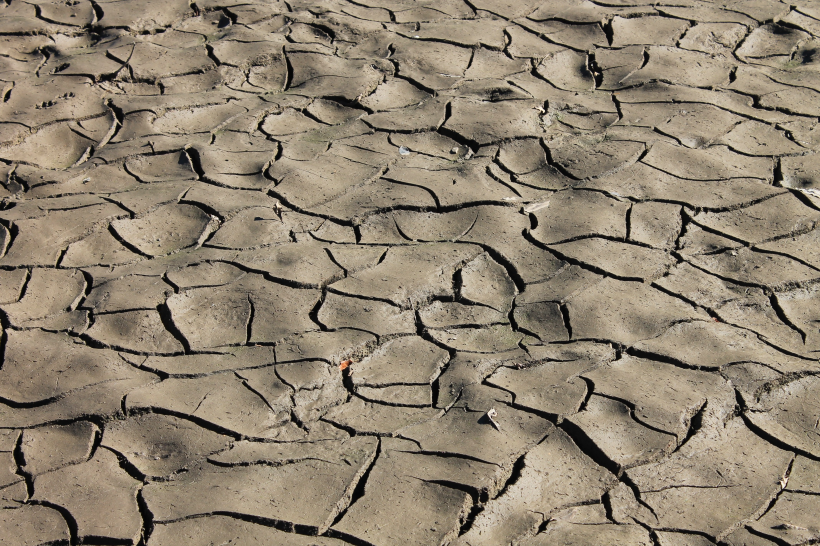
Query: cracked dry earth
(598, 219)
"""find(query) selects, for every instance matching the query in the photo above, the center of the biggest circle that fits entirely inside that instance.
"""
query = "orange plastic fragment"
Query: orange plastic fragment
(345, 364)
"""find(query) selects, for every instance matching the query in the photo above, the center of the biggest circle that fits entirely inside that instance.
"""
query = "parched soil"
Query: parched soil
(409, 272)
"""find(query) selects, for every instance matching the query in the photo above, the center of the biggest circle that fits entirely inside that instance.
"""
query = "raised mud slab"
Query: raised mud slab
(409, 272)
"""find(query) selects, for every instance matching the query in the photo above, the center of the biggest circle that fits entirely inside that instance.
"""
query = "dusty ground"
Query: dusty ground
(596, 219)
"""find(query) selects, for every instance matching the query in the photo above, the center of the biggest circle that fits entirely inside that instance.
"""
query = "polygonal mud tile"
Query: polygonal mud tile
(40, 241)
(646, 31)
(317, 74)
(165, 230)
(196, 120)
(489, 63)
(232, 358)
(137, 331)
(801, 172)
(34, 353)
(206, 530)
(127, 294)
(759, 139)
(522, 156)
(594, 156)
(641, 181)
(576, 36)
(33, 524)
(485, 281)
(436, 65)
(378, 317)
(467, 369)
(161, 167)
(556, 473)
(791, 519)
(712, 345)
(434, 265)
(567, 282)
(543, 320)
(489, 339)
(366, 417)
(442, 314)
(11, 284)
(225, 322)
(561, 219)
(770, 40)
(53, 447)
(669, 538)
(625, 312)
(397, 506)
(695, 240)
(804, 477)
(393, 93)
(616, 64)
(204, 274)
(757, 313)
(625, 441)
(655, 224)
(454, 184)
(713, 38)
(54, 147)
(48, 292)
(280, 493)
(744, 537)
(694, 125)
(420, 396)
(559, 533)
(524, 44)
(759, 268)
(479, 439)
(488, 31)
(800, 308)
(224, 400)
(670, 64)
(306, 264)
(99, 248)
(553, 388)
(316, 386)
(498, 120)
(99, 495)
(432, 226)
(406, 360)
(622, 260)
(159, 445)
(711, 163)
(374, 197)
(311, 184)
(788, 412)
(710, 468)
(333, 346)
(775, 218)
(566, 70)
(675, 396)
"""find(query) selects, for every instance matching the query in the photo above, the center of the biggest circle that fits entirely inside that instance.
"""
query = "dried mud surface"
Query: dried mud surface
(379, 272)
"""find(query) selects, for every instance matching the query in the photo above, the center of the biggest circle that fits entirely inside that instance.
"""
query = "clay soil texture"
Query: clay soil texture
(409, 272)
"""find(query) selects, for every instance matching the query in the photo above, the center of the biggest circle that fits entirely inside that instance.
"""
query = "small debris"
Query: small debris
(454, 150)
(532, 207)
(345, 364)
(404, 150)
(490, 415)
